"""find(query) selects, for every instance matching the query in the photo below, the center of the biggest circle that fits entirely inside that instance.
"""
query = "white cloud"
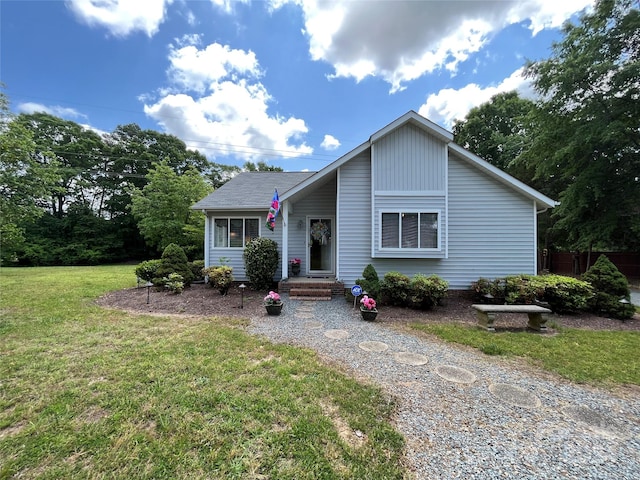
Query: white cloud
(449, 105)
(228, 5)
(122, 17)
(400, 41)
(58, 111)
(216, 104)
(330, 142)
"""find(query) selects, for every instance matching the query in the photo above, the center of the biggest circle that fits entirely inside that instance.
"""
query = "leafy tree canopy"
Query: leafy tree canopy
(587, 133)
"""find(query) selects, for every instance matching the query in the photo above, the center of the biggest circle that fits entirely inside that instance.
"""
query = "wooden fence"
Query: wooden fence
(569, 263)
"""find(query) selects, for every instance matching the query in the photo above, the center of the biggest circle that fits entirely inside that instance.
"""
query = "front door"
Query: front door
(320, 241)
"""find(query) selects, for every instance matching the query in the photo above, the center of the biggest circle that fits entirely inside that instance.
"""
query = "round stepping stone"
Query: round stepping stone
(304, 315)
(596, 421)
(373, 346)
(515, 395)
(336, 334)
(409, 358)
(455, 374)
(312, 325)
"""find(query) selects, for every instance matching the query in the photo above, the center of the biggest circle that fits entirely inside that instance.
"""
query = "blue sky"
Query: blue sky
(295, 83)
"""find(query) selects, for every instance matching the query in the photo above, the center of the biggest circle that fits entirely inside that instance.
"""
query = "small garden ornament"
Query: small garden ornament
(295, 266)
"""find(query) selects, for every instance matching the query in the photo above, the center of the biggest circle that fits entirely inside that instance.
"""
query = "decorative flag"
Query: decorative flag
(273, 211)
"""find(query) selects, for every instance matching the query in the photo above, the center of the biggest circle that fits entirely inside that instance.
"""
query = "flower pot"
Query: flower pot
(274, 309)
(295, 269)
(369, 315)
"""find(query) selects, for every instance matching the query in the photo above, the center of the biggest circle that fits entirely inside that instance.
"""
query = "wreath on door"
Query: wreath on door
(320, 232)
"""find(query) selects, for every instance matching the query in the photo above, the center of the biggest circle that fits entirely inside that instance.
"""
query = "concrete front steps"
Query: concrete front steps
(311, 288)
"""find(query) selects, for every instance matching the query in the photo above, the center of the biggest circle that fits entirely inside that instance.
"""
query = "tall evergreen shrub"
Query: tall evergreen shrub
(173, 260)
(610, 288)
(261, 260)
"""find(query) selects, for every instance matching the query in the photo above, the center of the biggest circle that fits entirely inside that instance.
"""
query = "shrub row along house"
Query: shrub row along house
(408, 199)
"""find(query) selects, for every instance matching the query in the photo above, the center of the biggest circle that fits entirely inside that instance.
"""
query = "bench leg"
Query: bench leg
(485, 321)
(537, 322)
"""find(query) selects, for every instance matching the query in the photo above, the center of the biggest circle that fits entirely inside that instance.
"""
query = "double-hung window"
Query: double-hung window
(410, 230)
(234, 232)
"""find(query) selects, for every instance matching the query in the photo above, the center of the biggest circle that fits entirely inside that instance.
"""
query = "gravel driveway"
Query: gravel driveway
(471, 416)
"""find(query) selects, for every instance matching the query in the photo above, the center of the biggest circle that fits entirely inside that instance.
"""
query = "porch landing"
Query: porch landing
(311, 288)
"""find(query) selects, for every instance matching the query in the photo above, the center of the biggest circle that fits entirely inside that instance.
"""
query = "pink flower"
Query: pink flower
(272, 298)
(295, 261)
(368, 303)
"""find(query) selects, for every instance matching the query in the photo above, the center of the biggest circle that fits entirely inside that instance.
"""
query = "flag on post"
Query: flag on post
(273, 211)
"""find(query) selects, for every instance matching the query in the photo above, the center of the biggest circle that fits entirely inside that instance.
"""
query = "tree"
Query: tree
(587, 136)
(23, 181)
(162, 208)
(261, 167)
(219, 174)
(498, 131)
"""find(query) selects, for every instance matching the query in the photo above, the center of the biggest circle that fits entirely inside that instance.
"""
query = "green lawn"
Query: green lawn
(92, 393)
(596, 357)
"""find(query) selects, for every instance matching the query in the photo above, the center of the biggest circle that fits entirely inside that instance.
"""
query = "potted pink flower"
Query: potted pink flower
(295, 266)
(273, 303)
(368, 309)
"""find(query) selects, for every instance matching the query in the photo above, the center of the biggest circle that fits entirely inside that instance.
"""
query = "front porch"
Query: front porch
(311, 288)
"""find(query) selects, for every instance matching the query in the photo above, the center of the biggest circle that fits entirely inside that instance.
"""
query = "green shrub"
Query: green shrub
(565, 294)
(395, 288)
(609, 286)
(147, 270)
(261, 259)
(427, 291)
(487, 290)
(523, 289)
(220, 277)
(196, 268)
(370, 282)
(174, 282)
(173, 260)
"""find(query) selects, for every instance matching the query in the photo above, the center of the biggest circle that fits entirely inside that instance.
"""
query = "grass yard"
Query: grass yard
(92, 393)
(589, 356)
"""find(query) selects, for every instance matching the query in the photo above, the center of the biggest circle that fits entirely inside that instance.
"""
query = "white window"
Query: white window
(410, 230)
(234, 232)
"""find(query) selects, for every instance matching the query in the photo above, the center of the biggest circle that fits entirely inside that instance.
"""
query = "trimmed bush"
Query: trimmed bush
(174, 283)
(566, 294)
(220, 277)
(427, 291)
(563, 294)
(489, 291)
(261, 259)
(610, 286)
(395, 288)
(147, 270)
(196, 268)
(370, 282)
(173, 260)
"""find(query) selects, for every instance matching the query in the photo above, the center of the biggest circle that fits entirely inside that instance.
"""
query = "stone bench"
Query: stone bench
(487, 313)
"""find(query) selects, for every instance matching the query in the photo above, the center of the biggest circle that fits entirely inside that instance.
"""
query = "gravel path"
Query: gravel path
(467, 415)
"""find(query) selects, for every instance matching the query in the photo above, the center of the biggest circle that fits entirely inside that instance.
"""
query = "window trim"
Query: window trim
(244, 229)
(417, 249)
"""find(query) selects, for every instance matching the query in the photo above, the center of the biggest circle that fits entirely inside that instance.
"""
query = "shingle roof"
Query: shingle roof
(251, 190)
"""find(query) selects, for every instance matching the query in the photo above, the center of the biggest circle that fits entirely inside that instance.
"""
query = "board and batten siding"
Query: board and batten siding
(233, 256)
(409, 159)
(319, 203)
(354, 218)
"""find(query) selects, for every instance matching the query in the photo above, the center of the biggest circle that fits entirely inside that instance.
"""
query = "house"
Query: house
(408, 199)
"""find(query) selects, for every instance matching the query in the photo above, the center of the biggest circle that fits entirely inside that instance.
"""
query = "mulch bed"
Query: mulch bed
(203, 301)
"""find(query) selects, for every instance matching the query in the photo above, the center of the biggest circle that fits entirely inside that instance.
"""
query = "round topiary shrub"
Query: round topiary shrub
(427, 291)
(610, 287)
(261, 259)
(147, 270)
(173, 260)
(395, 289)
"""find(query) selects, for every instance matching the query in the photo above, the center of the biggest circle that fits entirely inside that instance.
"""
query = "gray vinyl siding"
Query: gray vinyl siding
(319, 203)
(491, 230)
(234, 256)
(354, 218)
(409, 159)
